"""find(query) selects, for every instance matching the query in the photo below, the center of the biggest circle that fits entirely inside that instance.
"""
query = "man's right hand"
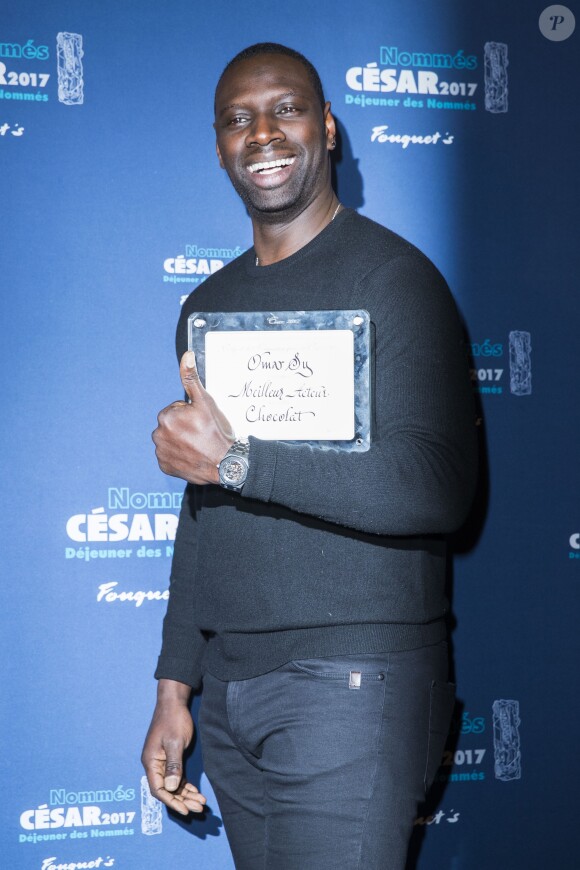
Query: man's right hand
(169, 735)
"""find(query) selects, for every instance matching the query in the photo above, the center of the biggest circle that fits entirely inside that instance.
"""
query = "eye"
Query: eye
(236, 121)
(287, 110)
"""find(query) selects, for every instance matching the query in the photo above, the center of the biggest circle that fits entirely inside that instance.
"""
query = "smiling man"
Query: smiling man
(307, 586)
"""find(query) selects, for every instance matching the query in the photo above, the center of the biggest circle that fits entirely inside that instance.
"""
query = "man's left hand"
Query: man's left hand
(192, 437)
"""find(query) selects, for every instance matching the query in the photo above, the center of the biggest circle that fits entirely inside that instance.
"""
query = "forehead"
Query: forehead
(265, 72)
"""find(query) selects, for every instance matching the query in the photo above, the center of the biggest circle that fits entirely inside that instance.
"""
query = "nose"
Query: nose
(263, 130)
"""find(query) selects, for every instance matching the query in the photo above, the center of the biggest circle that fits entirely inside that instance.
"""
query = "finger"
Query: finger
(192, 798)
(187, 800)
(173, 773)
(179, 805)
(195, 805)
(174, 803)
(189, 377)
(155, 780)
(164, 415)
(190, 792)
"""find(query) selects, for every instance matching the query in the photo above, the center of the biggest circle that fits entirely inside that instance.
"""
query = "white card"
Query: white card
(294, 385)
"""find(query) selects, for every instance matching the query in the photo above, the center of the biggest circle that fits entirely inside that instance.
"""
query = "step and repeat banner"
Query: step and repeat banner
(458, 130)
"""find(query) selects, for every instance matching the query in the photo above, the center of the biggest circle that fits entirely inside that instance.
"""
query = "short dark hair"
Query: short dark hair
(276, 48)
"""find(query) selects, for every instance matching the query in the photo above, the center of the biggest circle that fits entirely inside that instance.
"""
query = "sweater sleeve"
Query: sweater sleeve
(183, 643)
(418, 477)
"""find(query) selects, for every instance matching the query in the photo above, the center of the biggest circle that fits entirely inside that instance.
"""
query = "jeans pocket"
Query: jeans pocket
(368, 667)
(441, 704)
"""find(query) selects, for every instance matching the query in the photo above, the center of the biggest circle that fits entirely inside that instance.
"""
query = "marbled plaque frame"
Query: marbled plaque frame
(296, 376)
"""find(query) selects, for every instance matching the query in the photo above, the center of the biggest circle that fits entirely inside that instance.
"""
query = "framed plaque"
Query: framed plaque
(299, 376)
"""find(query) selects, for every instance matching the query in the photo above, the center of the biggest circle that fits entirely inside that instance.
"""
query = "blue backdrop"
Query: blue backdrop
(458, 130)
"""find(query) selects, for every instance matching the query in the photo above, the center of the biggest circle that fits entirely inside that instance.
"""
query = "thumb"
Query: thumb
(173, 772)
(190, 377)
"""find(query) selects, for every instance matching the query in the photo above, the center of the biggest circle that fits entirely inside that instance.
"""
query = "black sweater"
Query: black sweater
(326, 552)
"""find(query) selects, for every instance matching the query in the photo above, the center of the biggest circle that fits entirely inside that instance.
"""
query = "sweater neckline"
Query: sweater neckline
(310, 248)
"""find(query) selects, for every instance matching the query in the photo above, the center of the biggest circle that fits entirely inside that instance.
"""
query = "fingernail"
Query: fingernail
(171, 782)
(190, 359)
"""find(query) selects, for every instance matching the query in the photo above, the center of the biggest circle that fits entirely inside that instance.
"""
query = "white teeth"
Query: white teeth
(271, 164)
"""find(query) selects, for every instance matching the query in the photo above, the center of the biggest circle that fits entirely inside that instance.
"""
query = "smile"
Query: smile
(271, 166)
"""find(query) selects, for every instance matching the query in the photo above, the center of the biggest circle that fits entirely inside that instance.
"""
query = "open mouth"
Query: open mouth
(271, 166)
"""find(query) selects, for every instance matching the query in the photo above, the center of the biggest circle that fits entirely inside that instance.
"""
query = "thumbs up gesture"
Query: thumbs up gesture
(192, 437)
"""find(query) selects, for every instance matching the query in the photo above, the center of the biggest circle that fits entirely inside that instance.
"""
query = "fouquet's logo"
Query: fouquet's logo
(382, 135)
(450, 816)
(54, 864)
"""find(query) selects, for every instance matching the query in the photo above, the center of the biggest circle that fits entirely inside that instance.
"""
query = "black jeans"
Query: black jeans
(320, 764)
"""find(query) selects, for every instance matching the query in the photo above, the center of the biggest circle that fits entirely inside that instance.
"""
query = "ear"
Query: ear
(330, 125)
(219, 155)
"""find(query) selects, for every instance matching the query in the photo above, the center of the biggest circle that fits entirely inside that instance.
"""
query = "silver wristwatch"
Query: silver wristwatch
(233, 469)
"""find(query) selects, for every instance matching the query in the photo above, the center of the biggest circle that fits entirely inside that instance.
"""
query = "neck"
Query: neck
(276, 241)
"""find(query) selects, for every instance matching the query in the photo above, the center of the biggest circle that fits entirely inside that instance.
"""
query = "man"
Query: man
(307, 592)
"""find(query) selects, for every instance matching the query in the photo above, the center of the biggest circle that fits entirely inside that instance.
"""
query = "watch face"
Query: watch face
(233, 471)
